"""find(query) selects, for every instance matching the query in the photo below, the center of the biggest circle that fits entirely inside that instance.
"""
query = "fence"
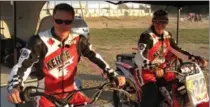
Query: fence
(106, 12)
(113, 12)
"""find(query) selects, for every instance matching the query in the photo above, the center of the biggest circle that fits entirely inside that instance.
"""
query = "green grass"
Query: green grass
(131, 35)
(192, 35)
(114, 36)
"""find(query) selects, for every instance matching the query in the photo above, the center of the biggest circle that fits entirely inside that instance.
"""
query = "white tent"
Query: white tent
(27, 15)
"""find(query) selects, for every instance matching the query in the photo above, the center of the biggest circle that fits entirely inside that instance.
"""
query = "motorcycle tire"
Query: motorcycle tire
(117, 97)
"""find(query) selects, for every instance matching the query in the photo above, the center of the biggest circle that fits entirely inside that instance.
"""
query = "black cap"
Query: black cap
(160, 15)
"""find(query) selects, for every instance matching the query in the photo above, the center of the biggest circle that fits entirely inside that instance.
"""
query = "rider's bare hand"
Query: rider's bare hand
(204, 63)
(121, 80)
(14, 96)
(159, 72)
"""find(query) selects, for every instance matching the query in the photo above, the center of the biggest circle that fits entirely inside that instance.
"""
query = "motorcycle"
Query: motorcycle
(195, 83)
(126, 66)
(189, 75)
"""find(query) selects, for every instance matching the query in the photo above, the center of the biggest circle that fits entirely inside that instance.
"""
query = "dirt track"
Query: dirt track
(142, 22)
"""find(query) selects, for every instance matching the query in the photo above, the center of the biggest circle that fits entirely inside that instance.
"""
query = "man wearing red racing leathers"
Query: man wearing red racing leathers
(57, 52)
(155, 44)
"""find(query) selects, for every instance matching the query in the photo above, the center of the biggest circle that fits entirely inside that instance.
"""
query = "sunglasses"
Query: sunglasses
(66, 22)
(160, 21)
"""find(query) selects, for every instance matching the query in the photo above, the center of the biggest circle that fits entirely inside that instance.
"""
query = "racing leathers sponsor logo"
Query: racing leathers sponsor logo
(60, 60)
(25, 53)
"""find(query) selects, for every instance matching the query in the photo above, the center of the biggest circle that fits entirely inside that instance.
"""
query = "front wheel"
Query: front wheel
(121, 100)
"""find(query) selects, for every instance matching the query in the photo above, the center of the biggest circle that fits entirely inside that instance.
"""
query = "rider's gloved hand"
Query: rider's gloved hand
(14, 96)
(159, 72)
(115, 77)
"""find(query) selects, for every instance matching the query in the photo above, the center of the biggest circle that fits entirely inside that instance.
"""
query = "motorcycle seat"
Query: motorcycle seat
(126, 66)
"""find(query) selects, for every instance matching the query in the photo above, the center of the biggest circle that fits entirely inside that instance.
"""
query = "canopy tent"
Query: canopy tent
(20, 18)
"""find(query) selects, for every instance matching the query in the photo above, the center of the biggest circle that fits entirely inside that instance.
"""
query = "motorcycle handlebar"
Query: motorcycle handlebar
(28, 94)
(190, 65)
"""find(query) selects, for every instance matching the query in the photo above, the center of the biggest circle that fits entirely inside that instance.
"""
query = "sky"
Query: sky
(93, 4)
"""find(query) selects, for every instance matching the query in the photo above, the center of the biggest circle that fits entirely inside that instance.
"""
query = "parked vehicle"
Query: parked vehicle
(79, 26)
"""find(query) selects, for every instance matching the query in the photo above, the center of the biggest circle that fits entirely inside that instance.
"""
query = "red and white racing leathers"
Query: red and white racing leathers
(56, 64)
(155, 49)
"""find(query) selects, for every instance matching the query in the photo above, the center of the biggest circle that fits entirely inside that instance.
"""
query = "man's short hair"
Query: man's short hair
(64, 7)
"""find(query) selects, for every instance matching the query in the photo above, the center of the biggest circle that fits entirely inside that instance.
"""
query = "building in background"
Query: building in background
(101, 8)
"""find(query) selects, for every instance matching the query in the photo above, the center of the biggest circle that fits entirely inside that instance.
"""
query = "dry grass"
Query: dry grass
(141, 22)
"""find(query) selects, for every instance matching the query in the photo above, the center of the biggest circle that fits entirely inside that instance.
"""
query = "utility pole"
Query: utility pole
(15, 30)
(81, 8)
(99, 8)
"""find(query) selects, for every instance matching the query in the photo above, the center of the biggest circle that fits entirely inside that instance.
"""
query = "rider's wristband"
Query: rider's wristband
(111, 74)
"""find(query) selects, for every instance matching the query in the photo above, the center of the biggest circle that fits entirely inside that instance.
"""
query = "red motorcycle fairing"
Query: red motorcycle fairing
(136, 74)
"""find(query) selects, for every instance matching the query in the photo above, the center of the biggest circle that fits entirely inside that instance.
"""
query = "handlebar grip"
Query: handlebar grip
(26, 95)
(115, 82)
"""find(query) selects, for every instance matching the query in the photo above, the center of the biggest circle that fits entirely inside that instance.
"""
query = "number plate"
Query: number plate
(197, 88)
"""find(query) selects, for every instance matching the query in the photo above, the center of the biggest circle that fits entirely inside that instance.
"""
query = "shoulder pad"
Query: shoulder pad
(34, 40)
